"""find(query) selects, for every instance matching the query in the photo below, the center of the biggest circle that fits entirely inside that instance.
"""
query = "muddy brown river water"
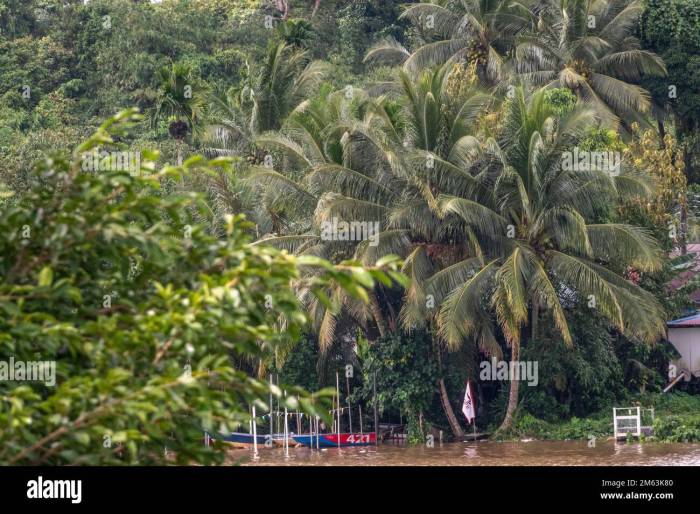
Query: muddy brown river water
(484, 453)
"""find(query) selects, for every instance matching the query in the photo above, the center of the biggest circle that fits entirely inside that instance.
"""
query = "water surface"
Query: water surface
(483, 453)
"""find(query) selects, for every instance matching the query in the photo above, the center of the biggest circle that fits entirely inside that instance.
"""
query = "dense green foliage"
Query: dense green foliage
(405, 369)
(671, 28)
(675, 420)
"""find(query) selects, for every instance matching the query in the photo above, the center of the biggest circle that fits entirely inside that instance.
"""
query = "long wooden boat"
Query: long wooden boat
(331, 440)
(241, 440)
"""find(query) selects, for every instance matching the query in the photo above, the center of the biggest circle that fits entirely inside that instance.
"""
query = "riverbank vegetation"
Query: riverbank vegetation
(171, 261)
(675, 420)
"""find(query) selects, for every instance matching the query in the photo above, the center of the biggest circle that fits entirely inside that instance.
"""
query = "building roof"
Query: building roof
(687, 321)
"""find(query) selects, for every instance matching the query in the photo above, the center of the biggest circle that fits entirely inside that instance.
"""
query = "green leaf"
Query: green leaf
(45, 277)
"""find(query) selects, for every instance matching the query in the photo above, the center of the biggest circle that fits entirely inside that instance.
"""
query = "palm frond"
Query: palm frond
(434, 53)
(462, 310)
(632, 65)
(621, 96)
(348, 182)
(343, 208)
(582, 276)
(542, 286)
(443, 19)
(387, 51)
(625, 244)
(286, 146)
(473, 213)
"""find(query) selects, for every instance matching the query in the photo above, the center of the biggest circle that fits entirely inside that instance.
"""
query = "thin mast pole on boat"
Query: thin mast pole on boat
(317, 436)
(277, 381)
(311, 431)
(376, 416)
(286, 430)
(255, 435)
(272, 430)
(334, 411)
(360, 409)
(347, 386)
(337, 390)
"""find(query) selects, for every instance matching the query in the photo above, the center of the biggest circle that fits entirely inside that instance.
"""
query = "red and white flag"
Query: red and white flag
(469, 406)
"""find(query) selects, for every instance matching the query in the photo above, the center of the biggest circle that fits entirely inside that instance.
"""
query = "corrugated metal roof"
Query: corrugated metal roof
(688, 321)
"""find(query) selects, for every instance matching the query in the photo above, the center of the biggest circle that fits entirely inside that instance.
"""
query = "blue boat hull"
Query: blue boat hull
(240, 438)
(331, 440)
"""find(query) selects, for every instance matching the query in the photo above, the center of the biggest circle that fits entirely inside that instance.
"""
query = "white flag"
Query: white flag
(469, 407)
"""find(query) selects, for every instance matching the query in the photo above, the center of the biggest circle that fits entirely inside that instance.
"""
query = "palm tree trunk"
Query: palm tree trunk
(513, 395)
(377, 313)
(445, 399)
(662, 134)
(449, 412)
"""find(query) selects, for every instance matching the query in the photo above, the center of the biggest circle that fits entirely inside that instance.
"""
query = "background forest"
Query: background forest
(444, 122)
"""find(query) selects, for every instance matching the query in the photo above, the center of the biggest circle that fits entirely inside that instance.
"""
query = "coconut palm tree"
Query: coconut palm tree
(589, 47)
(269, 95)
(316, 145)
(181, 101)
(286, 79)
(297, 32)
(477, 205)
(476, 31)
(532, 242)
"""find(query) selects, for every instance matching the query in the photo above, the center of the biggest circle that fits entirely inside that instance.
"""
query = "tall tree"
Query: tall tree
(269, 94)
(535, 246)
(589, 47)
(679, 94)
(476, 31)
(180, 101)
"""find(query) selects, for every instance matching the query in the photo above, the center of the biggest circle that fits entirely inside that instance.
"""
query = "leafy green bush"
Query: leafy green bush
(678, 429)
(299, 367)
(676, 420)
(406, 375)
(575, 428)
(151, 322)
(676, 402)
(561, 99)
(574, 380)
(529, 425)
